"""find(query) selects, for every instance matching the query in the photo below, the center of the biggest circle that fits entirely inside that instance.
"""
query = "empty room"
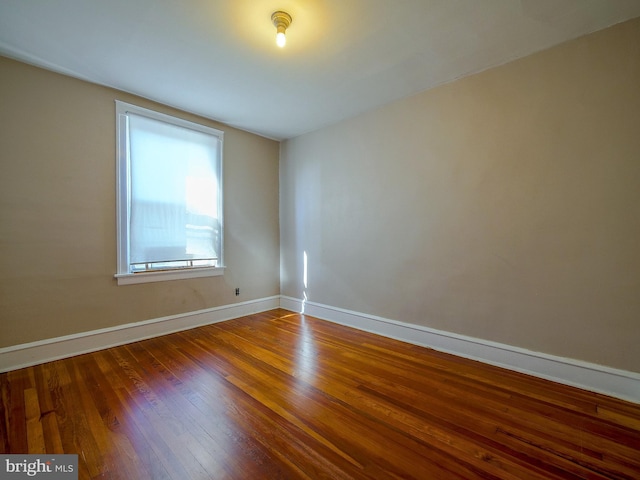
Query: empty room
(320, 239)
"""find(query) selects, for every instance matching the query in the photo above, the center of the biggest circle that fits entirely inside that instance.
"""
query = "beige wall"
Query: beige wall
(57, 214)
(503, 206)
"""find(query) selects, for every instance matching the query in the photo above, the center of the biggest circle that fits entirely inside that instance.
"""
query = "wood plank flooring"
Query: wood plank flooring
(278, 395)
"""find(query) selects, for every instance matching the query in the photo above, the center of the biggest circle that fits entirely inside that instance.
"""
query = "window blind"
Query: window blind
(174, 193)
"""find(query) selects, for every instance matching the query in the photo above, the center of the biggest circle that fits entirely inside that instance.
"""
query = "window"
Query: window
(169, 193)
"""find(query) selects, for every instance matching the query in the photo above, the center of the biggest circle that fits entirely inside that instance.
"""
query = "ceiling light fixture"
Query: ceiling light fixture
(281, 20)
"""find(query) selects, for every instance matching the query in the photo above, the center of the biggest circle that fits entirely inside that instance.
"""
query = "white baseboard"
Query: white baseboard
(596, 378)
(34, 353)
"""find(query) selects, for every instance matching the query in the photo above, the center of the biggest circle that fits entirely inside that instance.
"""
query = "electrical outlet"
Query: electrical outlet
(237, 292)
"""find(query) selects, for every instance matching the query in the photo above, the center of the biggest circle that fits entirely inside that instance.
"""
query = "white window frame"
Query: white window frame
(123, 189)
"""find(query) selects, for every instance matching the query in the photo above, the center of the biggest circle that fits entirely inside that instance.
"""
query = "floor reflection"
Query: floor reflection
(306, 354)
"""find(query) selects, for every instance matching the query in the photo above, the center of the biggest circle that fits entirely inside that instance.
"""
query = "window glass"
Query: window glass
(170, 193)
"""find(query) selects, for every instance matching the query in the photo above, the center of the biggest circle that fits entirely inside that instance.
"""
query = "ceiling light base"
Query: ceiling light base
(281, 19)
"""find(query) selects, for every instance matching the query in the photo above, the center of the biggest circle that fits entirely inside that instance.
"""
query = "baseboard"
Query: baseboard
(34, 353)
(596, 378)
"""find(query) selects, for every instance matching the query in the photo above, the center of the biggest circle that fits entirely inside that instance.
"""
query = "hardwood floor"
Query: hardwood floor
(280, 395)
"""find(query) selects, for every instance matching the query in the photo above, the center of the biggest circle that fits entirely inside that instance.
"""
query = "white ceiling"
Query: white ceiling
(218, 58)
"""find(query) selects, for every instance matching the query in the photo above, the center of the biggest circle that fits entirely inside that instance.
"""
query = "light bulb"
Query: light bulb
(281, 20)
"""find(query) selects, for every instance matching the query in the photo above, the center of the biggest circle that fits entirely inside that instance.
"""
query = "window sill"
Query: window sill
(167, 275)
